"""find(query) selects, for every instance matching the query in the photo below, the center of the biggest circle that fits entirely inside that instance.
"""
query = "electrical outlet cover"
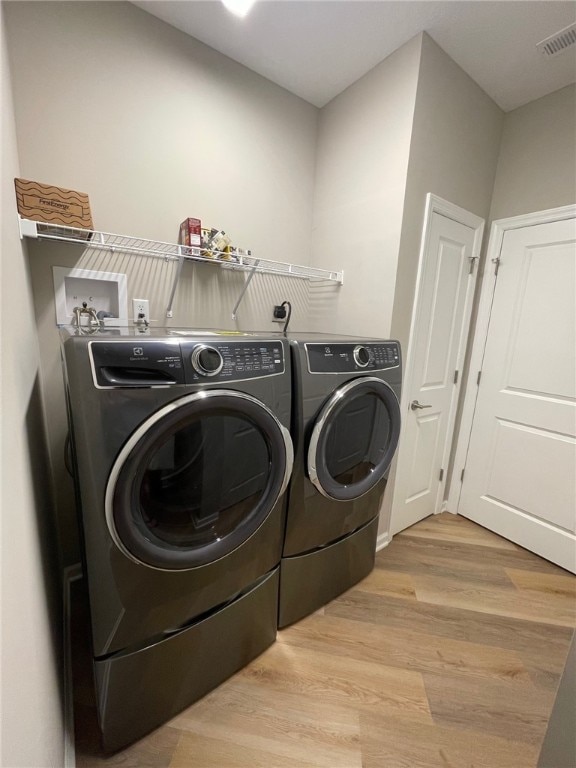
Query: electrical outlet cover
(140, 307)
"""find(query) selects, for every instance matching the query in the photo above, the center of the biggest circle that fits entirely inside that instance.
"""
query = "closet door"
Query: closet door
(520, 474)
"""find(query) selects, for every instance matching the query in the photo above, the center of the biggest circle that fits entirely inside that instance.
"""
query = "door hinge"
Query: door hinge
(478, 378)
(441, 475)
(455, 377)
(472, 260)
(496, 263)
(462, 475)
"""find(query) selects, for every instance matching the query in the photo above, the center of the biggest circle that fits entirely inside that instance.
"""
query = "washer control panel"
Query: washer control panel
(348, 358)
(156, 363)
(232, 360)
(207, 360)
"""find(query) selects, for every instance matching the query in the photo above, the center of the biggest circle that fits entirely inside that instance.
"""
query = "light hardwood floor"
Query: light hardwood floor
(447, 656)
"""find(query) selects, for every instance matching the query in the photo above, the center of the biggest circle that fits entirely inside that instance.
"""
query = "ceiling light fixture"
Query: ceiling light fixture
(239, 7)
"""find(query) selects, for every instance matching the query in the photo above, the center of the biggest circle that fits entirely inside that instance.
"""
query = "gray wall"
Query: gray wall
(453, 154)
(32, 729)
(155, 126)
(361, 167)
(537, 164)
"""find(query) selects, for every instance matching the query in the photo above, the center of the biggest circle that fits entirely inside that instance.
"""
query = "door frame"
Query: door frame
(479, 339)
(434, 204)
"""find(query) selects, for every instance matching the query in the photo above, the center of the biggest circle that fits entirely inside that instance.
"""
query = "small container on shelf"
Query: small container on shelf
(214, 243)
(191, 233)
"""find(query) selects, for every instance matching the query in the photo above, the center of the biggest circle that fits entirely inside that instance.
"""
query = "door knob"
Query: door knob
(415, 405)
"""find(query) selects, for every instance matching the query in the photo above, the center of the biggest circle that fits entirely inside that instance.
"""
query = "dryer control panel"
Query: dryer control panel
(351, 358)
(156, 363)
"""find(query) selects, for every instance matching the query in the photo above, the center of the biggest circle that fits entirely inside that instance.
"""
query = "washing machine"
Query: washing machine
(182, 455)
(345, 428)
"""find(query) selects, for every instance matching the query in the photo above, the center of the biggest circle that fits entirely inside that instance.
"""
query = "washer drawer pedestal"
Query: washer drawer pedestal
(139, 691)
(307, 582)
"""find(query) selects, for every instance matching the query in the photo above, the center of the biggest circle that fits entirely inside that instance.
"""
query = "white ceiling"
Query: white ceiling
(316, 48)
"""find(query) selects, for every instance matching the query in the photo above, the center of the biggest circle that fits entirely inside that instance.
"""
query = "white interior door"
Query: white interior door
(433, 372)
(520, 471)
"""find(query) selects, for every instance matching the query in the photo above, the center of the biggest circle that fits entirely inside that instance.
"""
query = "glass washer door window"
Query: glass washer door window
(354, 439)
(197, 479)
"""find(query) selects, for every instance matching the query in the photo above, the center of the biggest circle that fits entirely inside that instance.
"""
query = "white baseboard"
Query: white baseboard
(383, 540)
(71, 573)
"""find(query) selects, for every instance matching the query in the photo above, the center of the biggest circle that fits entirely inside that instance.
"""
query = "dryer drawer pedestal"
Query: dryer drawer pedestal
(309, 581)
(141, 690)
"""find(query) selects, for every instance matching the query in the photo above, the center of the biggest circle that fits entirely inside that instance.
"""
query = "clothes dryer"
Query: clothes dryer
(345, 428)
(182, 455)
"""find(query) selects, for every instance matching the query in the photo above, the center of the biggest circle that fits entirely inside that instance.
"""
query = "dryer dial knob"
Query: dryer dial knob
(362, 356)
(207, 361)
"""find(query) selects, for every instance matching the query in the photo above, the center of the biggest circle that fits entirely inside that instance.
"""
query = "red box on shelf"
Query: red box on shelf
(190, 232)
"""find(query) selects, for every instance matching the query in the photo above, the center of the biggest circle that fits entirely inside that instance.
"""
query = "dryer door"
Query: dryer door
(354, 439)
(197, 479)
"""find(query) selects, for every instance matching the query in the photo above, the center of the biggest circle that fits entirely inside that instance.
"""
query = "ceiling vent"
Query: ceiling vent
(558, 43)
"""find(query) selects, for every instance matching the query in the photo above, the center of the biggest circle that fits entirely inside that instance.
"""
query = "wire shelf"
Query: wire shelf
(107, 241)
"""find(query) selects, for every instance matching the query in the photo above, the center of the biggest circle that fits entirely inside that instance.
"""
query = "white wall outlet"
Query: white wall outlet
(140, 307)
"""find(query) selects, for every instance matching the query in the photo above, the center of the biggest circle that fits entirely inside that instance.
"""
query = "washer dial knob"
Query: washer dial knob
(207, 361)
(362, 356)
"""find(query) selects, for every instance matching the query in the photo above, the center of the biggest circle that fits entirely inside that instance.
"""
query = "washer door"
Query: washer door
(197, 479)
(354, 439)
